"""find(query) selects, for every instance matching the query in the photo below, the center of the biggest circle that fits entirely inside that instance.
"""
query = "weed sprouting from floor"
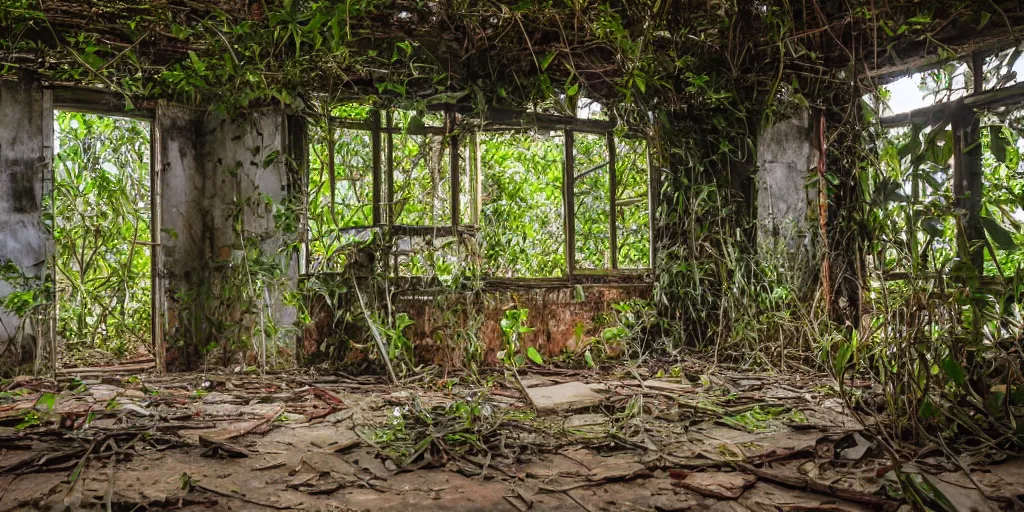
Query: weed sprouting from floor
(462, 429)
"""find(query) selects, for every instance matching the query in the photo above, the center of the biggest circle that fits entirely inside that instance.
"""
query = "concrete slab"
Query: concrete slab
(564, 397)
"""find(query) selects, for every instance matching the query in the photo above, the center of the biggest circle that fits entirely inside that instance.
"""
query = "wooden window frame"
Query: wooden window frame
(382, 126)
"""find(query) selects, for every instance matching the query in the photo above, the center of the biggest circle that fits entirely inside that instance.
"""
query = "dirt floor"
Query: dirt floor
(625, 440)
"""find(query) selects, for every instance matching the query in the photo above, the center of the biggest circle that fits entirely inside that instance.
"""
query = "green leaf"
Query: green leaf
(985, 17)
(641, 83)
(1000, 235)
(46, 402)
(534, 355)
(546, 61)
(77, 472)
(926, 488)
(952, 369)
(997, 144)
(927, 410)
(843, 357)
(588, 358)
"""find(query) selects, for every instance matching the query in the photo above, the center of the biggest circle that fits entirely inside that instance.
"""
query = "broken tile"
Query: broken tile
(585, 420)
(672, 503)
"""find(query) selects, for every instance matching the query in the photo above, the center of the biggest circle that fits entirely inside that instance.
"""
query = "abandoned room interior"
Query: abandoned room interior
(516, 255)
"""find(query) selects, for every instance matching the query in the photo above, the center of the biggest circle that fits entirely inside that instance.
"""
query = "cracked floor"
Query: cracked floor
(539, 440)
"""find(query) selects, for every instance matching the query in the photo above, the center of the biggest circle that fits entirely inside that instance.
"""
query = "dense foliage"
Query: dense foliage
(101, 226)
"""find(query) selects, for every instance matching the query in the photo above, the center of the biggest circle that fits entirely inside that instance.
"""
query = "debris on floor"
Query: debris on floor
(574, 441)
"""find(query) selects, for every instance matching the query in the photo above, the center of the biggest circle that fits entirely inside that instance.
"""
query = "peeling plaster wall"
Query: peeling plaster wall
(246, 176)
(184, 249)
(786, 160)
(24, 158)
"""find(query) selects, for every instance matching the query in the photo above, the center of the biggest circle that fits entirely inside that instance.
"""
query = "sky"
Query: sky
(906, 95)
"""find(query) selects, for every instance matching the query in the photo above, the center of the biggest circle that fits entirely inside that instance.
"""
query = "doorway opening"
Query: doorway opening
(101, 208)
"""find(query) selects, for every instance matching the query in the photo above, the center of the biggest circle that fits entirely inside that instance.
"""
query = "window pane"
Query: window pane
(1003, 167)
(439, 256)
(631, 198)
(593, 240)
(522, 218)
(915, 196)
(422, 178)
(350, 203)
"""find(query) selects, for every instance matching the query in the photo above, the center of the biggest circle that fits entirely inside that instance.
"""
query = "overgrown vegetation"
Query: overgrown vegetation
(101, 226)
(701, 80)
(944, 333)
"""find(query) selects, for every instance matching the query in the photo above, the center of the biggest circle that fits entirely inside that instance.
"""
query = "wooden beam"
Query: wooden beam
(157, 294)
(348, 124)
(982, 100)
(993, 40)
(502, 118)
(923, 115)
(91, 100)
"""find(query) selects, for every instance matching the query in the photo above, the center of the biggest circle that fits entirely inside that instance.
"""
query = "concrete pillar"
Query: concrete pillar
(26, 135)
(252, 237)
(225, 262)
(786, 160)
(181, 230)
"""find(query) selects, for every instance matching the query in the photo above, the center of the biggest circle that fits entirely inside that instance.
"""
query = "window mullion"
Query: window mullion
(390, 157)
(475, 178)
(569, 203)
(653, 193)
(453, 153)
(376, 148)
(613, 233)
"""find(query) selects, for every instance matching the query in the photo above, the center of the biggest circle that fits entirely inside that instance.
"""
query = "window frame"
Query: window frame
(381, 124)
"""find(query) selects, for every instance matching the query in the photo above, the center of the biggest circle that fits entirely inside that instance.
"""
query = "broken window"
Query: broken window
(945, 83)
(507, 186)
(422, 170)
(632, 203)
(592, 201)
(611, 177)
(1004, 68)
(341, 174)
(521, 222)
